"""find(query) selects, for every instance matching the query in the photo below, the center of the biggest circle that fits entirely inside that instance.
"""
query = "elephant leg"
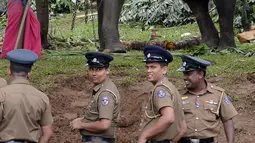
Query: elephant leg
(226, 10)
(208, 31)
(43, 17)
(100, 22)
(109, 25)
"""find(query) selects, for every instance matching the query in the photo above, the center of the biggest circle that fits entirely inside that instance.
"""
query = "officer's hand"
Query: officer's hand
(142, 139)
(76, 124)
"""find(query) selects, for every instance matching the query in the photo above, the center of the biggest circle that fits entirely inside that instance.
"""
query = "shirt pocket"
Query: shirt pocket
(150, 111)
(92, 107)
(91, 112)
(187, 110)
(210, 112)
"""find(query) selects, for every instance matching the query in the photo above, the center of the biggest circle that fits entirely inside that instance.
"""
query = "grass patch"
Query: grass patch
(128, 67)
(83, 32)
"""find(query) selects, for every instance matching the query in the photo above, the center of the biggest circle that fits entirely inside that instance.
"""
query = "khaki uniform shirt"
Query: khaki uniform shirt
(104, 104)
(164, 94)
(203, 112)
(2, 82)
(23, 111)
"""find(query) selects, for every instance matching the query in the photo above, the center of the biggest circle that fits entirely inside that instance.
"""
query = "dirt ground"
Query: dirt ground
(70, 96)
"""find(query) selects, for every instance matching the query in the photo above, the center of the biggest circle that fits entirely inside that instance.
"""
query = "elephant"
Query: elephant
(109, 14)
(108, 17)
(209, 33)
(108, 31)
(43, 17)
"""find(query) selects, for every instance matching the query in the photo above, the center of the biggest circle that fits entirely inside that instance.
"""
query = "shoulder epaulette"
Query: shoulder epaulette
(216, 87)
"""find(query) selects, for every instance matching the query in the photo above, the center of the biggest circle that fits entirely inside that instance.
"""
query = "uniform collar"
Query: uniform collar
(209, 88)
(160, 81)
(98, 86)
(19, 80)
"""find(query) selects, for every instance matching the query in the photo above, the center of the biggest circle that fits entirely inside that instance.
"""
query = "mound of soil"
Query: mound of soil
(251, 77)
(71, 96)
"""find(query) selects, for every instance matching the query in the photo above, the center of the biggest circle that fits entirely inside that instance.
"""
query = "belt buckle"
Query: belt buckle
(194, 140)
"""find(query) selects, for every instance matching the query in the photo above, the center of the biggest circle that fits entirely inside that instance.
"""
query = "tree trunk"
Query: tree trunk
(172, 45)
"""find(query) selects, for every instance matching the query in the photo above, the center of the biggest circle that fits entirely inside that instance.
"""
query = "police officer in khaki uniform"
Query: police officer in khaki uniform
(204, 104)
(99, 123)
(163, 114)
(25, 113)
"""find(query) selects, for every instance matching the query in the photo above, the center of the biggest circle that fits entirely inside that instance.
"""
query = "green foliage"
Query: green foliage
(241, 5)
(3, 4)
(198, 50)
(67, 6)
(157, 12)
(176, 12)
(3, 21)
(249, 7)
(61, 6)
(57, 6)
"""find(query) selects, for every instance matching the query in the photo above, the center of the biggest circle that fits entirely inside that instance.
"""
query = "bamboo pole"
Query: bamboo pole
(20, 38)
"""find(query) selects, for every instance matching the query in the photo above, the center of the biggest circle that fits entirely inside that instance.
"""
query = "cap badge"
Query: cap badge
(184, 64)
(149, 55)
(95, 60)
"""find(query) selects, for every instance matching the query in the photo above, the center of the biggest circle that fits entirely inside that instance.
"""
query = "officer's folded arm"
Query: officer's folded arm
(165, 120)
(98, 126)
(46, 134)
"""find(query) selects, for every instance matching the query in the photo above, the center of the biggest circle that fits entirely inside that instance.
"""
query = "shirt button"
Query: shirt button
(197, 118)
(195, 130)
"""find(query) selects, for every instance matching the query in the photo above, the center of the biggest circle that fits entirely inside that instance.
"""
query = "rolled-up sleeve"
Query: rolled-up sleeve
(162, 98)
(46, 118)
(106, 104)
(227, 110)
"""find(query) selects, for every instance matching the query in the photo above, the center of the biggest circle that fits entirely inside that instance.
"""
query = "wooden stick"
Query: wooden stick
(20, 38)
